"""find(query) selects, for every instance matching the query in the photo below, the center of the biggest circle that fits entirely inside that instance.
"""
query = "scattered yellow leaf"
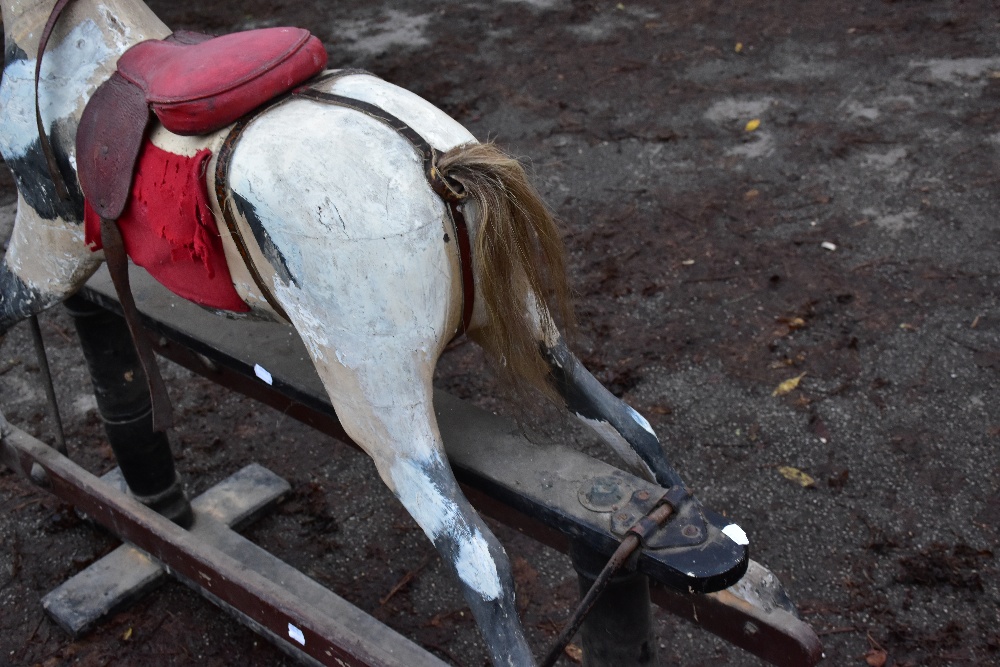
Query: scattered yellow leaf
(127, 635)
(751, 194)
(787, 385)
(797, 476)
(620, 6)
(574, 653)
(796, 323)
(738, 48)
(906, 326)
(753, 125)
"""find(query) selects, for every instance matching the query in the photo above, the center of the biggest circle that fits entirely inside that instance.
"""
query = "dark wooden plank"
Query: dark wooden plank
(288, 605)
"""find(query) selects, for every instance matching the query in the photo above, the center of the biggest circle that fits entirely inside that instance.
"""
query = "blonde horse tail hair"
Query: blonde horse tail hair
(518, 256)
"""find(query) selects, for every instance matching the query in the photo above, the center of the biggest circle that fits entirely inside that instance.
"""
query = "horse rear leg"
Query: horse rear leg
(617, 423)
(631, 437)
(382, 394)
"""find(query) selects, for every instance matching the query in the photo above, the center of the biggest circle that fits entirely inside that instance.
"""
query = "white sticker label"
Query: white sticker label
(262, 373)
(736, 534)
(296, 634)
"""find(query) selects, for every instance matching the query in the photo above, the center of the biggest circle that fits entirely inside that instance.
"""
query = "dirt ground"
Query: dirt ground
(751, 192)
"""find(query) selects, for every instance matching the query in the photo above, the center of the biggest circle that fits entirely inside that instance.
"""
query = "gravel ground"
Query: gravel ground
(751, 192)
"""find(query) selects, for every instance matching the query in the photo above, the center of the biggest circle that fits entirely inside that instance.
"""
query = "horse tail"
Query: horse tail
(519, 256)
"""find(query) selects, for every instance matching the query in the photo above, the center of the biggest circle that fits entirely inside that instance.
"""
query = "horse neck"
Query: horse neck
(120, 24)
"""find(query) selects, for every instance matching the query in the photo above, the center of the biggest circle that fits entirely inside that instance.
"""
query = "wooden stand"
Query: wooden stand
(534, 489)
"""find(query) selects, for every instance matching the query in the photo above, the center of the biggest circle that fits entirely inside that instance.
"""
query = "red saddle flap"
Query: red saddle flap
(168, 228)
(200, 87)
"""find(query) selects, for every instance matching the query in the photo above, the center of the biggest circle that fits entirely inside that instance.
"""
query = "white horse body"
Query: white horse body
(375, 343)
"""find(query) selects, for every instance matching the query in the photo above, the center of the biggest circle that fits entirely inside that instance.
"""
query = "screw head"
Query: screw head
(602, 493)
(691, 531)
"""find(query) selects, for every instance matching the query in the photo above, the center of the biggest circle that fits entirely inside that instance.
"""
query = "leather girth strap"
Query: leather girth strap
(450, 191)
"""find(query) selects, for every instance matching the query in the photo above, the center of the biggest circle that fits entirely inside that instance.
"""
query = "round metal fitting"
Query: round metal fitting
(601, 494)
(691, 531)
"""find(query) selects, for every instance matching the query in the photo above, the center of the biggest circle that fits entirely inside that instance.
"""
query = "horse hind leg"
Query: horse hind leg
(428, 490)
(386, 408)
(615, 421)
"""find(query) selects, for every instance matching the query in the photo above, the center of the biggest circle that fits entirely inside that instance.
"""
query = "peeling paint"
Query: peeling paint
(308, 325)
(475, 566)
(640, 420)
(67, 81)
(432, 511)
(440, 517)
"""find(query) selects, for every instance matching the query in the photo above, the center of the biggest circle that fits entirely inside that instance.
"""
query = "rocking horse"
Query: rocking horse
(364, 216)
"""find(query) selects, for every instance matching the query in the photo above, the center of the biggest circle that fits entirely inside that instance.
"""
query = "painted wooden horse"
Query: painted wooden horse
(351, 243)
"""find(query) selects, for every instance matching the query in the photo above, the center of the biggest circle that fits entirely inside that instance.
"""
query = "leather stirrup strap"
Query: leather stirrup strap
(114, 250)
(117, 261)
(43, 138)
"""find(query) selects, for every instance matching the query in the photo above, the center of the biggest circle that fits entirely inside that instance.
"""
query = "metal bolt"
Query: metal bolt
(690, 531)
(622, 516)
(642, 495)
(604, 492)
(750, 628)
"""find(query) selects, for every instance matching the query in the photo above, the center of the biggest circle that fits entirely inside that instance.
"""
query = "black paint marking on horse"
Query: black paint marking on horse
(31, 172)
(267, 246)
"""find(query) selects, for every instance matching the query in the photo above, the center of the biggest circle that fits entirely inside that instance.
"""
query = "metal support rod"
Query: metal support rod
(123, 401)
(50, 392)
(618, 632)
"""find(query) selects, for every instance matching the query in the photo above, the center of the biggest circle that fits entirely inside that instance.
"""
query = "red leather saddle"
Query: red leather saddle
(195, 84)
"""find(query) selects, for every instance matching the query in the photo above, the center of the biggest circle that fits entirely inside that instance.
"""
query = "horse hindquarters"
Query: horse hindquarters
(364, 263)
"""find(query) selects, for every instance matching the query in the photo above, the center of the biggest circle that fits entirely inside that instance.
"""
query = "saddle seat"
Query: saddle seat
(197, 84)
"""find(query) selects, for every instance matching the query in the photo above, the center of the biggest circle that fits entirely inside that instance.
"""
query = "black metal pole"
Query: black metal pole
(50, 392)
(618, 632)
(144, 456)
